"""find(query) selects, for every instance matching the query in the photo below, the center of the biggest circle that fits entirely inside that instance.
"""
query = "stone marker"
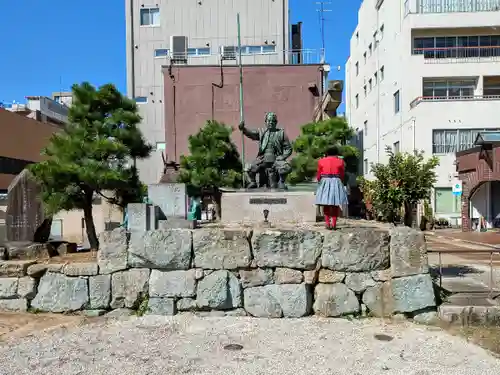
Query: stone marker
(170, 197)
(139, 217)
(25, 218)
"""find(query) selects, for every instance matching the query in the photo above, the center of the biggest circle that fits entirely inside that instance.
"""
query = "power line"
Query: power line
(321, 13)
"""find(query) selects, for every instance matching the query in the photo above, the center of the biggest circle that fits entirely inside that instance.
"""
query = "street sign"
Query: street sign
(457, 188)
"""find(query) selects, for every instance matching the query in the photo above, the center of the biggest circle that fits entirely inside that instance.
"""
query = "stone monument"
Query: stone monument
(25, 217)
(167, 205)
(266, 201)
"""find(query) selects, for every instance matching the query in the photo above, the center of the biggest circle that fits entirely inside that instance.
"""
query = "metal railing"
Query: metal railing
(447, 55)
(291, 57)
(467, 251)
(450, 6)
(421, 99)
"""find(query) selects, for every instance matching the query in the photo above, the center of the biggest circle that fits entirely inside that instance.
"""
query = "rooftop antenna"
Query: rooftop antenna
(321, 13)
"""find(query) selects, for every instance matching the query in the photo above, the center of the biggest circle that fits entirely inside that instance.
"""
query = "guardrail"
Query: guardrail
(276, 57)
(421, 99)
(450, 6)
(446, 55)
(467, 251)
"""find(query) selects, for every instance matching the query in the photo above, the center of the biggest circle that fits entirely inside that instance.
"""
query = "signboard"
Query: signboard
(457, 188)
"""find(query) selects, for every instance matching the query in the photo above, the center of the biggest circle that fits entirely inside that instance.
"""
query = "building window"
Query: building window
(447, 141)
(375, 40)
(364, 56)
(445, 202)
(448, 88)
(364, 89)
(141, 99)
(397, 103)
(356, 100)
(375, 79)
(198, 51)
(365, 166)
(370, 49)
(382, 28)
(365, 127)
(357, 68)
(457, 46)
(150, 17)
(160, 146)
(257, 50)
(395, 147)
(370, 84)
(382, 70)
(162, 52)
(357, 37)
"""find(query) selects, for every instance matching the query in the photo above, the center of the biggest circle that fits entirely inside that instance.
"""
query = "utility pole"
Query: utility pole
(321, 12)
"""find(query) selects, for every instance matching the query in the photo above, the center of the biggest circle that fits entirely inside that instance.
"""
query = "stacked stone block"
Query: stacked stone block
(271, 273)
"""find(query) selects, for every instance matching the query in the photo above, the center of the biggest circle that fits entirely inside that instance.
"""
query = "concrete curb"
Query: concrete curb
(469, 315)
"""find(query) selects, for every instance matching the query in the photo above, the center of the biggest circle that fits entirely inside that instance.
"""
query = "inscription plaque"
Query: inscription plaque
(267, 201)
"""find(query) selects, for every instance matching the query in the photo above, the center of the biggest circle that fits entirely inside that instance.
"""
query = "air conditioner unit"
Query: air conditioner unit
(179, 47)
(228, 52)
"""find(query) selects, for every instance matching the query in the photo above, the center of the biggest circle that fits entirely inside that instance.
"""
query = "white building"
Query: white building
(425, 75)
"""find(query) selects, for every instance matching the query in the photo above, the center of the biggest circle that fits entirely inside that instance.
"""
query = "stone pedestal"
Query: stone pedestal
(247, 207)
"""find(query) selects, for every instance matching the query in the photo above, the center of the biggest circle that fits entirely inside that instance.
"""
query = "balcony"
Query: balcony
(450, 6)
(447, 55)
(473, 98)
(248, 57)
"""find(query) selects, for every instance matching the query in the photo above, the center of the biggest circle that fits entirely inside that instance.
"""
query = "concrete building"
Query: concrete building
(425, 74)
(203, 33)
(43, 109)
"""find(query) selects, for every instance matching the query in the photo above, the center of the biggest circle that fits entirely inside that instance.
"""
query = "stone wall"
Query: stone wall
(261, 272)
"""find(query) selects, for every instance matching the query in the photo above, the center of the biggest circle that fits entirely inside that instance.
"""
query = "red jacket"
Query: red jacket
(330, 165)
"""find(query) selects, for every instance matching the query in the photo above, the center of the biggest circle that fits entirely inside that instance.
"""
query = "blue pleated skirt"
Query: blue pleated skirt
(331, 192)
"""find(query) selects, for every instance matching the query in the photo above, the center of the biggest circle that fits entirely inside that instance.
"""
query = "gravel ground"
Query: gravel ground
(187, 344)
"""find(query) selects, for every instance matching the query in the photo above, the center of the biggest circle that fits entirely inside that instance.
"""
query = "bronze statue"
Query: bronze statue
(274, 148)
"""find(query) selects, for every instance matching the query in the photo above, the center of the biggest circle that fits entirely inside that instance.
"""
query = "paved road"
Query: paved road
(196, 346)
(471, 253)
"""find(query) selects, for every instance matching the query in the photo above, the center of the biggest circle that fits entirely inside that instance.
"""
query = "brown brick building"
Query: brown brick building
(195, 94)
(479, 170)
(20, 144)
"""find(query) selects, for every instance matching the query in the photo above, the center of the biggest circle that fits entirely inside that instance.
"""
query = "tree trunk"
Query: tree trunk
(408, 219)
(89, 225)
(216, 197)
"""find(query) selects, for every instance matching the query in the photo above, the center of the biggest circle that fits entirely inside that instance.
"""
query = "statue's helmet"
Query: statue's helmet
(271, 119)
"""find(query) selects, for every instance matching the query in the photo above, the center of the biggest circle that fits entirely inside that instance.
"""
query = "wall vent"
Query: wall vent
(228, 52)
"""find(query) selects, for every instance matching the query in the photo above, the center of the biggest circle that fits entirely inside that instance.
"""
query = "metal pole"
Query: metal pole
(242, 116)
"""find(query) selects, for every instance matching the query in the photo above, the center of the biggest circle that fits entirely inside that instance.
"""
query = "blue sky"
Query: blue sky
(46, 48)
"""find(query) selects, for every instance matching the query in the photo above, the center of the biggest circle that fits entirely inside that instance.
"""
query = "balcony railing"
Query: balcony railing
(421, 99)
(450, 6)
(447, 55)
(292, 57)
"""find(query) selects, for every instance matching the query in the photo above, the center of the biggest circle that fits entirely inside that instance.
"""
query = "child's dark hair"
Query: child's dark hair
(332, 151)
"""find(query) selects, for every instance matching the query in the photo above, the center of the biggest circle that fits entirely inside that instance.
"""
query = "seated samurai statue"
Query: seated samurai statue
(271, 164)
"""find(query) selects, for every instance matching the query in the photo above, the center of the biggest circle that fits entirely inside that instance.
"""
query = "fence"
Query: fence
(492, 251)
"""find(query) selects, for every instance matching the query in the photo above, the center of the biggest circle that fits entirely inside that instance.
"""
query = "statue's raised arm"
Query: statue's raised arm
(254, 135)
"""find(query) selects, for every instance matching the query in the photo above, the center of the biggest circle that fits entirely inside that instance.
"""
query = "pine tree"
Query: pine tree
(94, 153)
(312, 144)
(214, 162)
